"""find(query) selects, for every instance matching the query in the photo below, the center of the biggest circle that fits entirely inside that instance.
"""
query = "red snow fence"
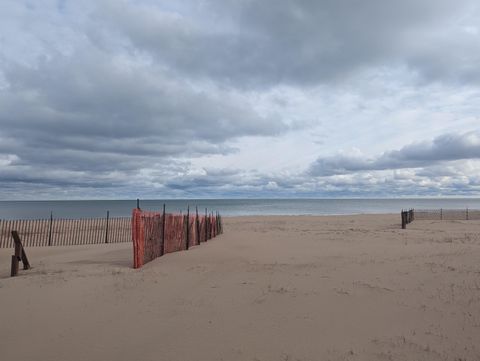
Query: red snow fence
(157, 233)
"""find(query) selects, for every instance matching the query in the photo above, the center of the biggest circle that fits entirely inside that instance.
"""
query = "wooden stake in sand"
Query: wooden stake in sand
(197, 225)
(162, 246)
(19, 255)
(187, 218)
(206, 225)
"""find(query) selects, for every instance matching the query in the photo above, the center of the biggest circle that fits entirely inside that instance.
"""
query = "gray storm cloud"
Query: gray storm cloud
(83, 112)
(263, 43)
(111, 97)
(447, 147)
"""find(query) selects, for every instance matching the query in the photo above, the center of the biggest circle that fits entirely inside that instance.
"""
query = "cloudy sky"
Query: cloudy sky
(239, 98)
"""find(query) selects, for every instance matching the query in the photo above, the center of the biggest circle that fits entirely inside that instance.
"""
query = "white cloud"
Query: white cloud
(225, 98)
(444, 148)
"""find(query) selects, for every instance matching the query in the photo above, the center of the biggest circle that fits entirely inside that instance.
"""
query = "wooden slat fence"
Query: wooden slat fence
(447, 214)
(439, 214)
(407, 217)
(66, 232)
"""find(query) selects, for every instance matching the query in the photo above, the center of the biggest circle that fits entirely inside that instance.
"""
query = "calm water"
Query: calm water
(227, 207)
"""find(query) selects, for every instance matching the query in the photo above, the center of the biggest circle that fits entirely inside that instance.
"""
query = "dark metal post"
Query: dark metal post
(441, 213)
(210, 225)
(50, 230)
(197, 225)
(106, 227)
(2, 223)
(138, 203)
(466, 214)
(206, 226)
(188, 227)
(162, 246)
(220, 223)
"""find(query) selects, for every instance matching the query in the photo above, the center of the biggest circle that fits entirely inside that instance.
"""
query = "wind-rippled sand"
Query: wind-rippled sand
(270, 288)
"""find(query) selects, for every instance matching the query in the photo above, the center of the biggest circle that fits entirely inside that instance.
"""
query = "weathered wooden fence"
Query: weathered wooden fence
(65, 232)
(447, 214)
(407, 217)
(439, 214)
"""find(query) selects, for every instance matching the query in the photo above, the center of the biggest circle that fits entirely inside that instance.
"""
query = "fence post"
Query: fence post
(206, 225)
(20, 255)
(188, 227)
(466, 214)
(106, 227)
(162, 246)
(441, 213)
(211, 225)
(403, 219)
(50, 229)
(138, 203)
(2, 226)
(197, 225)
(220, 223)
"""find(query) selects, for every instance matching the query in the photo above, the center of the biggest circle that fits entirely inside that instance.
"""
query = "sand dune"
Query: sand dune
(270, 288)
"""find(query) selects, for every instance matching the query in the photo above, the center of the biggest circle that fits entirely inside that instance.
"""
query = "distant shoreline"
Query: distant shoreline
(228, 207)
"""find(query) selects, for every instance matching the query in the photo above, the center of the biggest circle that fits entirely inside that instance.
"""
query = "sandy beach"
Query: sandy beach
(269, 288)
